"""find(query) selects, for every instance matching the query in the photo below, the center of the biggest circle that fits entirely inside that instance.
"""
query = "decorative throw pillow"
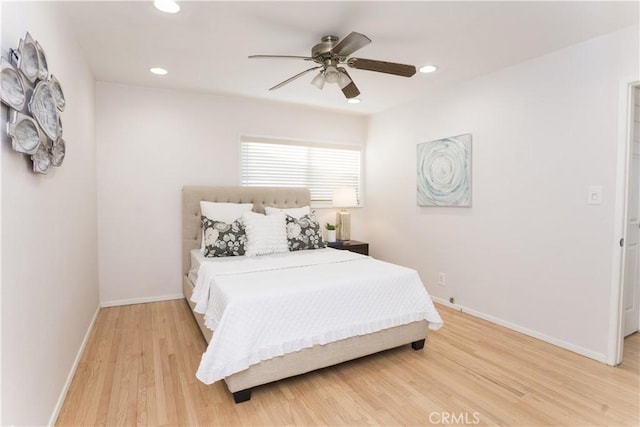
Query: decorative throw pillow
(304, 233)
(265, 234)
(225, 212)
(224, 239)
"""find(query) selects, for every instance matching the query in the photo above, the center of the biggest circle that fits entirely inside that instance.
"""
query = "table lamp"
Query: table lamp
(344, 198)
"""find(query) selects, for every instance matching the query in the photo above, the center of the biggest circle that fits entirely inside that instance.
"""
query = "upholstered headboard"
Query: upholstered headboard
(279, 197)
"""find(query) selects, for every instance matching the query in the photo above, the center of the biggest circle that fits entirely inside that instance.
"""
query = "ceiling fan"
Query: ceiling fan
(332, 53)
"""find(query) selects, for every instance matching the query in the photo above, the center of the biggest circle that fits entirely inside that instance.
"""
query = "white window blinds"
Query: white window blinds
(320, 167)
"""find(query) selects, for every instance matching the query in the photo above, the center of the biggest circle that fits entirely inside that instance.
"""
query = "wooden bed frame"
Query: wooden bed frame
(300, 362)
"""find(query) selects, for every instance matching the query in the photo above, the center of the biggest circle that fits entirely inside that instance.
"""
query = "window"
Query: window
(281, 163)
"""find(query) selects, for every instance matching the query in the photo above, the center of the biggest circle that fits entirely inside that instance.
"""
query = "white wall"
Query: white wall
(152, 142)
(49, 249)
(530, 252)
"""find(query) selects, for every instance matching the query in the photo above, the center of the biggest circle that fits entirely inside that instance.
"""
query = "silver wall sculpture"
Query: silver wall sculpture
(36, 101)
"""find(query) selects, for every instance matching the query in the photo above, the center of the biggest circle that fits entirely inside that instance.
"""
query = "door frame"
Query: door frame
(625, 119)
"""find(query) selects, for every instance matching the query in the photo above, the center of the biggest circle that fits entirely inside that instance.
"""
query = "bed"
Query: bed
(301, 360)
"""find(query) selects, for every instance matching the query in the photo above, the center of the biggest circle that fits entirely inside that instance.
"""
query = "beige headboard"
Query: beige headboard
(279, 197)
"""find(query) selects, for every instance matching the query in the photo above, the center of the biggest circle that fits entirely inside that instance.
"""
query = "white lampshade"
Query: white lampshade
(344, 198)
(318, 81)
(343, 80)
(331, 74)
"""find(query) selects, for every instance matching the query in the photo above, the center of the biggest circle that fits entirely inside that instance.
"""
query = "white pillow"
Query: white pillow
(265, 234)
(225, 212)
(297, 213)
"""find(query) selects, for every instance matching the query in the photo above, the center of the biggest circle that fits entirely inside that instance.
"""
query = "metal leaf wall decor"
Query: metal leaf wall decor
(36, 101)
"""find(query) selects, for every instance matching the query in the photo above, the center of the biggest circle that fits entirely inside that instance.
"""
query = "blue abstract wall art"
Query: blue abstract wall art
(444, 172)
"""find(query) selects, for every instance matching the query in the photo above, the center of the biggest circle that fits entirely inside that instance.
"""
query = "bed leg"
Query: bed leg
(242, 395)
(417, 345)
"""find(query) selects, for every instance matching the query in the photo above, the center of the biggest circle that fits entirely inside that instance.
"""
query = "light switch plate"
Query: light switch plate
(595, 195)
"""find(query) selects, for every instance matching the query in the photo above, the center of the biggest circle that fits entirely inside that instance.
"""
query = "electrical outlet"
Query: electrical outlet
(595, 195)
(442, 279)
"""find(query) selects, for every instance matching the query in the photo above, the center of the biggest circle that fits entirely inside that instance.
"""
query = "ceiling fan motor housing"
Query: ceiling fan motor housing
(322, 49)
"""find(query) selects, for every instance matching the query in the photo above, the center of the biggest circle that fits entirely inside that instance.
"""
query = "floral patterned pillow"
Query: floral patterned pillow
(223, 239)
(304, 233)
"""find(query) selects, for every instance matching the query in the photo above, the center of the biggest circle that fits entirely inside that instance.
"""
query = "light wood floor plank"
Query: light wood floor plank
(139, 369)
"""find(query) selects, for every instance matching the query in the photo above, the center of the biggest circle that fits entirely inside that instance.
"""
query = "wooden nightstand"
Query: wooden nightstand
(351, 245)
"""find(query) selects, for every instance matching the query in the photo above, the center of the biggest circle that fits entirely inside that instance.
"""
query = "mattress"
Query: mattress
(197, 259)
(264, 307)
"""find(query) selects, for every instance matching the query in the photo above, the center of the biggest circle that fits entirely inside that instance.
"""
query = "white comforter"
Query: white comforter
(263, 307)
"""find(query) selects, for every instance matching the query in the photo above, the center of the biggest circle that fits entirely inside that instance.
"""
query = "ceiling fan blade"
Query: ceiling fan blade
(350, 90)
(306, 58)
(350, 44)
(382, 67)
(290, 79)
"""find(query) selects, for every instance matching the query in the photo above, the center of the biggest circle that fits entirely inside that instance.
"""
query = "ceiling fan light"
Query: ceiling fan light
(318, 81)
(331, 74)
(343, 80)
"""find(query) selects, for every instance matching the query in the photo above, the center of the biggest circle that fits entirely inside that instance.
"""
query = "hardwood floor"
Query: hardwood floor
(139, 369)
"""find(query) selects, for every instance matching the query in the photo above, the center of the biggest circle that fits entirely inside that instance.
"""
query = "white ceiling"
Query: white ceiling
(205, 46)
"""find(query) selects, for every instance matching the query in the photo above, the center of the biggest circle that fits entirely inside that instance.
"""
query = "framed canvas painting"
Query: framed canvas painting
(444, 172)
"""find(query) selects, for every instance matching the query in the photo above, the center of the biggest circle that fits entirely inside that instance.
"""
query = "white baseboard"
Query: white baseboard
(600, 357)
(74, 367)
(140, 300)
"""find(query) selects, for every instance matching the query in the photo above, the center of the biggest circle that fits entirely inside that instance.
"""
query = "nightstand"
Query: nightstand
(351, 245)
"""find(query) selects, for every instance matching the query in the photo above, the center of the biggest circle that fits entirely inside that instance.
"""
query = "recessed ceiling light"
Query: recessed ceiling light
(428, 69)
(168, 6)
(159, 71)
(353, 100)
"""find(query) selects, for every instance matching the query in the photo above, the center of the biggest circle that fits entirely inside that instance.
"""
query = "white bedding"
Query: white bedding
(263, 307)
(197, 258)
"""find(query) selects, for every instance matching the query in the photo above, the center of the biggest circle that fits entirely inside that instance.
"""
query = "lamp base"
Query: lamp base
(343, 226)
